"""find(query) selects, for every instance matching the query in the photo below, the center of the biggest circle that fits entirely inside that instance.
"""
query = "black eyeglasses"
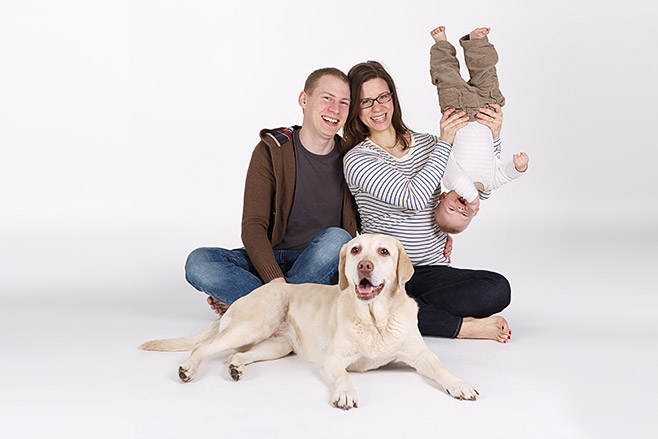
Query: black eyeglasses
(382, 99)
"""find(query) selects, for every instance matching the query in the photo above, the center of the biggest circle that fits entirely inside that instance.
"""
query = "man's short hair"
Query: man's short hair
(312, 80)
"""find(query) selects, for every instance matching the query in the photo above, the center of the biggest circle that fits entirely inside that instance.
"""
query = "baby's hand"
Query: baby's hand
(521, 161)
(474, 207)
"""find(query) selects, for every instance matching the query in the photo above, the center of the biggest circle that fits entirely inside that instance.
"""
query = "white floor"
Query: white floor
(581, 362)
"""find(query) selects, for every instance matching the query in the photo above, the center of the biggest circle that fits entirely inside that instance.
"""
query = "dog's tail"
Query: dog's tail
(184, 343)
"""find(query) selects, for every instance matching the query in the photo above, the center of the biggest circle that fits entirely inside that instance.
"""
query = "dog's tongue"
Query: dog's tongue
(366, 291)
(365, 288)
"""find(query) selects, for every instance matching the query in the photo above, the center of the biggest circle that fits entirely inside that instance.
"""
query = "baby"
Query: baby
(474, 167)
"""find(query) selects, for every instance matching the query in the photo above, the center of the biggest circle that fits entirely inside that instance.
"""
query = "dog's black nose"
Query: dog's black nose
(366, 266)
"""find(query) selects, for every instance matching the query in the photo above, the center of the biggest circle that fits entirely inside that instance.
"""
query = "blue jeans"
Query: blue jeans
(227, 275)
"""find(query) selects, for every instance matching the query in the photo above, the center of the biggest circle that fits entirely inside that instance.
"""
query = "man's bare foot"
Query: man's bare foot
(479, 33)
(439, 34)
(489, 328)
(217, 306)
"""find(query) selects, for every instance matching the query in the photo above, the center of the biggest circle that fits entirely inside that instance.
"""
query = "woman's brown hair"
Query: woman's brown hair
(354, 130)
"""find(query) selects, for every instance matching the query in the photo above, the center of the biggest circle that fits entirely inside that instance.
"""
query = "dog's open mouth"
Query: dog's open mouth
(367, 291)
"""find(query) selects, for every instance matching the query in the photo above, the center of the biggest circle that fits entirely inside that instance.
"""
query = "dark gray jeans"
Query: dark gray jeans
(445, 295)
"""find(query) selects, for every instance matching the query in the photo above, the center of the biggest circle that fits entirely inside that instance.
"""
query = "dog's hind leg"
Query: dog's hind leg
(250, 319)
(232, 336)
(270, 349)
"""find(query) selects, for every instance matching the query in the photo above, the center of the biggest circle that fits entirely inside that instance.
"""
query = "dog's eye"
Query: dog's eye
(354, 250)
(383, 252)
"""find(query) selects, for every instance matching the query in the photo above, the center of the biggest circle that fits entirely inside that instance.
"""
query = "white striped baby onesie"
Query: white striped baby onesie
(476, 158)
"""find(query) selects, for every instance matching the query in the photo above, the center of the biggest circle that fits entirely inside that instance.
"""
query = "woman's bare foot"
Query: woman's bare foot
(439, 34)
(489, 328)
(217, 306)
(479, 33)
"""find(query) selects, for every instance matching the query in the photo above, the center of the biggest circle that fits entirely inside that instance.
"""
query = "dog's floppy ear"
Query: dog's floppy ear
(343, 283)
(405, 269)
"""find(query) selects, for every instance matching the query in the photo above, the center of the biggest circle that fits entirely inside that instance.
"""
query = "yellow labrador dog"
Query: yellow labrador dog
(364, 322)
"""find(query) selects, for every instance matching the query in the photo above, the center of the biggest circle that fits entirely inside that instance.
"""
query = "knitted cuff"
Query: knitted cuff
(269, 272)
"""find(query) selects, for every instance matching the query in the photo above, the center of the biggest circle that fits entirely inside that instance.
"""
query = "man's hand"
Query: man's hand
(492, 118)
(451, 122)
(447, 250)
(279, 279)
(521, 161)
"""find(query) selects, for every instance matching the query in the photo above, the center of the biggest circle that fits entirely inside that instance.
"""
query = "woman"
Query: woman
(394, 175)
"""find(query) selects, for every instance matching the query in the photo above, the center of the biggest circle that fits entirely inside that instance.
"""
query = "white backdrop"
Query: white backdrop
(131, 115)
(126, 128)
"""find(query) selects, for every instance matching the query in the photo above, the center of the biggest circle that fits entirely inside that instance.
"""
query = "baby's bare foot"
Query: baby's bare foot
(479, 33)
(217, 306)
(489, 328)
(439, 34)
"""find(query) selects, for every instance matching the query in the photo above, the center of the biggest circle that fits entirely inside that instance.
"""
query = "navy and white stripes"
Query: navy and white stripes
(397, 196)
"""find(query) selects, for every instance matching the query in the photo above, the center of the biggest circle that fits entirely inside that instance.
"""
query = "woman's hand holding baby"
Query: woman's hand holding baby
(493, 118)
(451, 122)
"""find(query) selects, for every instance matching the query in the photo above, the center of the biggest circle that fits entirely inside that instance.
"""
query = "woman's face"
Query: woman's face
(377, 117)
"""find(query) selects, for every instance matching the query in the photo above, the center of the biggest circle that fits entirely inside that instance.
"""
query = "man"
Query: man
(297, 211)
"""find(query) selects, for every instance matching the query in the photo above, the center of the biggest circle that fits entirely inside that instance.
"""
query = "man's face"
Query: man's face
(326, 107)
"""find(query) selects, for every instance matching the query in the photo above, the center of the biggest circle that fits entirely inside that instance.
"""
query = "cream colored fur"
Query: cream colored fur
(327, 325)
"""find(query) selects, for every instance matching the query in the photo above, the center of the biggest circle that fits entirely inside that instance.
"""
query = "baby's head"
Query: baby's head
(453, 213)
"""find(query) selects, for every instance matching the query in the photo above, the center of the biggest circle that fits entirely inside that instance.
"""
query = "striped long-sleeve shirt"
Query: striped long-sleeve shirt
(397, 196)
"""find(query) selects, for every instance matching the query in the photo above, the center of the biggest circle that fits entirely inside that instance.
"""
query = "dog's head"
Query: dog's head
(369, 263)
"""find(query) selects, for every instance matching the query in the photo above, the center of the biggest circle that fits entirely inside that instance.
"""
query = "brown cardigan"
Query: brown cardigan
(268, 197)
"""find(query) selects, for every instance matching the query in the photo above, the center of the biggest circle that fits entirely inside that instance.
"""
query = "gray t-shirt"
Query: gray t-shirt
(318, 199)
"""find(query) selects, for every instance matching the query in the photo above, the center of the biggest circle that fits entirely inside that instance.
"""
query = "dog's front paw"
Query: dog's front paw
(461, 390)
(344, 399)
(185, 372)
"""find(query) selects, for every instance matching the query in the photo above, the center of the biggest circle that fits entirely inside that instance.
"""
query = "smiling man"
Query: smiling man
(297, 212)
